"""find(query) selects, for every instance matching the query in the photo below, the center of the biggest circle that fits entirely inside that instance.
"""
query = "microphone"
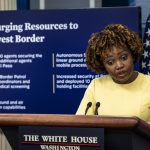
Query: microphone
(96, 109)
(89, 104)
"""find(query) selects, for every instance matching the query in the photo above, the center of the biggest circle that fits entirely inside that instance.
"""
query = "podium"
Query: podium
(120, 133)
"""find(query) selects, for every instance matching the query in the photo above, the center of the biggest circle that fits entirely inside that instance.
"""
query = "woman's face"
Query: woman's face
(119, 64)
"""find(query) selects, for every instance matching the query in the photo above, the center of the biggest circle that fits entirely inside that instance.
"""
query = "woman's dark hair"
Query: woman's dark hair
(113, 35)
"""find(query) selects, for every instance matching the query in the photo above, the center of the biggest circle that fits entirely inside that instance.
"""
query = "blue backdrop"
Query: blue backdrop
(42, 68)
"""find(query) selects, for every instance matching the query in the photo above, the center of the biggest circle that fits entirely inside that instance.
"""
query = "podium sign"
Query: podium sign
(60, 138)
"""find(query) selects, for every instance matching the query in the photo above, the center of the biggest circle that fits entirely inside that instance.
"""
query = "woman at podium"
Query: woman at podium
(122, 91)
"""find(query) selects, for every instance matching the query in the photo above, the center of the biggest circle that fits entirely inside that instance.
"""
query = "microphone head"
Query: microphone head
(89, 104)
(97, 104)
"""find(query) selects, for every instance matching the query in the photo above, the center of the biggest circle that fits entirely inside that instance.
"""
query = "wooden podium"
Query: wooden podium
(120, 133)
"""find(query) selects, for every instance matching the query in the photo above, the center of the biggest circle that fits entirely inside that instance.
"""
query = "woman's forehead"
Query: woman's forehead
(114, 50)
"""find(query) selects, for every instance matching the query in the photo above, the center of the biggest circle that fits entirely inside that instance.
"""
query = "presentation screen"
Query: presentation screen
(42, 56)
